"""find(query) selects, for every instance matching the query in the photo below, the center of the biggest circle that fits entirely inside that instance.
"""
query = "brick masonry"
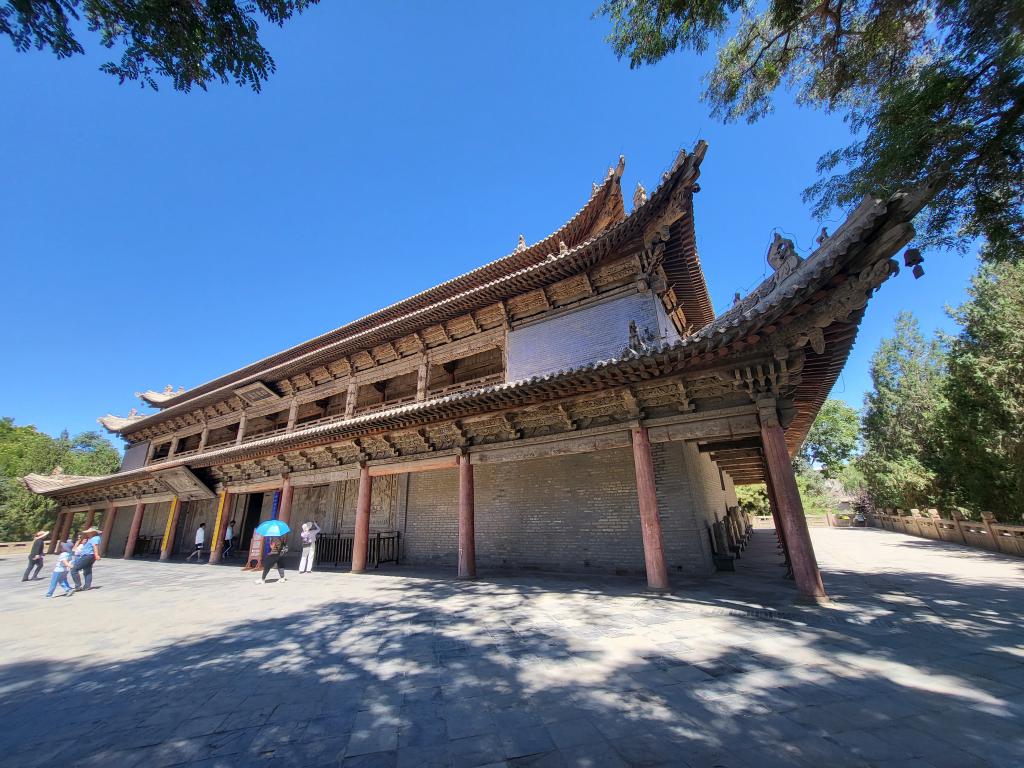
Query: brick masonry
(596, 332)
(569, 513)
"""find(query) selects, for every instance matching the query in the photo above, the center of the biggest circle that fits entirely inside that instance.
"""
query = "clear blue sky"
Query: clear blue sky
(163, 238)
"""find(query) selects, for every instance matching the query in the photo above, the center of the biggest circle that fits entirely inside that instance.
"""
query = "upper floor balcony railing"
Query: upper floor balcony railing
(480, 381)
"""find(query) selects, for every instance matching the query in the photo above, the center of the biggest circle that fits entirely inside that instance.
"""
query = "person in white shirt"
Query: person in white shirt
(200, 540)
(309, 532)
(229, 538)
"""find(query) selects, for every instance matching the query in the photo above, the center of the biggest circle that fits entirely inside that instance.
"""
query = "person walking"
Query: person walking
(200, 540)
(35, 556)
(60, 572)
(273, 559)
(86, 554)
(229, 538)
(308, 535)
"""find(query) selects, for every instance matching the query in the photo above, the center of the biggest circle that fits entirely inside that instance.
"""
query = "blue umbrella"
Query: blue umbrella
(270, 528)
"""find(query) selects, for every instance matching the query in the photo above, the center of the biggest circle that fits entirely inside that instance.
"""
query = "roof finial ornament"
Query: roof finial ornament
(133, 413)
(782, 256)
(562, 248)
(593, 188)
(521, 245)
(736, 298)
(823, 236)
(58, 470)
(169, 389)
(640, 196)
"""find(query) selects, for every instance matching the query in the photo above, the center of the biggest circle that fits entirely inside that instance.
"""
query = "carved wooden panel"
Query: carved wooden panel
(491, 316)
(362, 360)
(409, 345)
(568, 290)
(461, 327)
(612, 272)
(528, 303)
(434, 335)
(339, 368)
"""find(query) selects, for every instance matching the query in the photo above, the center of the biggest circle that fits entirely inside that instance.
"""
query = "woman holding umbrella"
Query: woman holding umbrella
(273, 532)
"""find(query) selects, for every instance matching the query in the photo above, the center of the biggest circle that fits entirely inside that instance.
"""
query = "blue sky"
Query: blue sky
(166, 238)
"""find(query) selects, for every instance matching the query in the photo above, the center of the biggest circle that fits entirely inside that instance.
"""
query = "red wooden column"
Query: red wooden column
(223, 515)
(108, 525)
(133, 533)
(361, 539)
(650, 525)
(69, 523)
(55, 539)
(284, 514)
(790, 508)
(467, 531)
(167, 545)
(89, 517)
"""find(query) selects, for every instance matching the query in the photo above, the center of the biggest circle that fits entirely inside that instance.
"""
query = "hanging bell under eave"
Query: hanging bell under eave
(913, 258)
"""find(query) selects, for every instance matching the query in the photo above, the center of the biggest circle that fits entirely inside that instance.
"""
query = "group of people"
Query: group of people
(77, 557)
(75, 560)
(278, 548)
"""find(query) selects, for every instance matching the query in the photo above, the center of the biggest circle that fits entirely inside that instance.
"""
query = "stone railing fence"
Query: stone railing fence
(988, 534)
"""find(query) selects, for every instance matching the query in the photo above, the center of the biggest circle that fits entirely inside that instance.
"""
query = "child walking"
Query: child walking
(60, 574)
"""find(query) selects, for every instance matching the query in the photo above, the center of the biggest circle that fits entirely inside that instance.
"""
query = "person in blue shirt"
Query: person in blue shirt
(87, 553)
(60, 574)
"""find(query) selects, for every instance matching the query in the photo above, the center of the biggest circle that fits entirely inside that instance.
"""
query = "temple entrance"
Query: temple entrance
(250, 519)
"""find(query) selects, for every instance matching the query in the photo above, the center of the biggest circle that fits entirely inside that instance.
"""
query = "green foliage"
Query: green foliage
(24, 450)
(753, 499)
(193, 43)
(933, 91)
(833, 438)
(813, 493)
(981, 451)
(900, 418)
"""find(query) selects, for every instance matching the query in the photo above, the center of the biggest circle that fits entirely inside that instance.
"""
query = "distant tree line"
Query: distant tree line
(24, 450)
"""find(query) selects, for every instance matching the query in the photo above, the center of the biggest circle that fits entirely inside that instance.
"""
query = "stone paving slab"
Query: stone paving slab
(918, 663)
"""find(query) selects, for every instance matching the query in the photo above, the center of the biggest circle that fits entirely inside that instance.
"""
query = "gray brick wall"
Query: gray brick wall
(596, 332)
(574, 513)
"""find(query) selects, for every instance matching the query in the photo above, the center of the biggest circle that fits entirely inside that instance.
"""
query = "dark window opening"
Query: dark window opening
(261, 426)
(190, 443)
(325, 408)
(162, 451)
(222, 436)
(483, 368)
(394, 391)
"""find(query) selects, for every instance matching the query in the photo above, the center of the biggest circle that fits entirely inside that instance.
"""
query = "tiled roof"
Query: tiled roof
(525, 270)
(869, 227)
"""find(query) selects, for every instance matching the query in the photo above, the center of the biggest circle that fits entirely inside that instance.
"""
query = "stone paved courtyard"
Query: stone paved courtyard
(919, 662)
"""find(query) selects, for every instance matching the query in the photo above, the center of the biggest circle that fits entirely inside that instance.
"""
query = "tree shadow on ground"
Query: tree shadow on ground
(550, 672)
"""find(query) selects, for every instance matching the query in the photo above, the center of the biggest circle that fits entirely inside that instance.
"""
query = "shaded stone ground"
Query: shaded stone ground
(918, 663)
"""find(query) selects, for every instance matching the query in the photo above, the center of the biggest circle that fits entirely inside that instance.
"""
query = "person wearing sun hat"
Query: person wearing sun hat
(35, 556)
(87, 554)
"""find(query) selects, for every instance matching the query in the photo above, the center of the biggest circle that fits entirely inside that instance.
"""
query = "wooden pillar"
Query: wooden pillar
(467, 533)
(361, 539)
(58, 521)
(89, 517)
(774, 507)
(204, 437)
(650, 525)
(790, 508)
(350, 398)
(108, 526)
(133, 532)
(293, 415)
(167, 545)
(175, 441)
(219, 525)
(69, 523)
(421, 381)
(241, 429)
(287, 491)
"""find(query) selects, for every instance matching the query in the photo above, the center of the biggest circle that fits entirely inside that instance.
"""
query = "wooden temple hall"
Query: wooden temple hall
(574, 406)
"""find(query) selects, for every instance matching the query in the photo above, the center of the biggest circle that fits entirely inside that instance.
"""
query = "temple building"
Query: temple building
(574, 406)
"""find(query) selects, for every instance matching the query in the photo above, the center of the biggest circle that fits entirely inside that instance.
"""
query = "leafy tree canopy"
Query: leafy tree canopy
(981, 453)
(191, 43)
(833, 438)
(933, 91)
(24, 450)
(899, 417)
